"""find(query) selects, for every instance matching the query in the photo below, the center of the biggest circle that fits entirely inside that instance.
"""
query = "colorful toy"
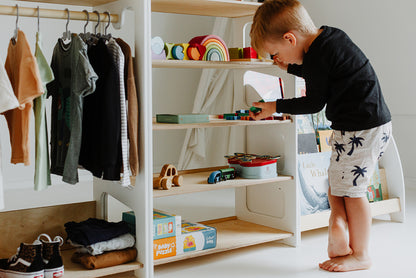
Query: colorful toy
(221, 175)
(256, 110)
(168, 176)
(251, 166)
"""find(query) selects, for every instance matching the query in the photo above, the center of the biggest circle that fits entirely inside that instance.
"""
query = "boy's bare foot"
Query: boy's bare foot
(346, 263)
(338, 245)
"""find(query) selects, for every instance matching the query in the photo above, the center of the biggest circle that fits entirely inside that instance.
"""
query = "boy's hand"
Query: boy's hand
(280, 63)
(267, 109)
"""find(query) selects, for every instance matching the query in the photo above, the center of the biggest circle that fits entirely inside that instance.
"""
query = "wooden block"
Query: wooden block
(249, 52)
(168, 50)
(236, 53)
(177, 52)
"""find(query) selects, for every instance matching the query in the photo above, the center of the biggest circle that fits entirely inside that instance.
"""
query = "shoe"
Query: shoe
(26, 263)
(53, 264)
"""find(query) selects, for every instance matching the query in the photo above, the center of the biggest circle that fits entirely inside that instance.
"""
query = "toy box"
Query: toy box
(164, 247)
(257, 168)
(164, 224)
(194, 237)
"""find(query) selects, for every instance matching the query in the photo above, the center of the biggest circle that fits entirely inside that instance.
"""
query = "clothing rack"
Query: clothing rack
(57, 14)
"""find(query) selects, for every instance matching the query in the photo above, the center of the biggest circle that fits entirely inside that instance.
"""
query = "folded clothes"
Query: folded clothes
(107, 259)
(94, 230)
(117, 243)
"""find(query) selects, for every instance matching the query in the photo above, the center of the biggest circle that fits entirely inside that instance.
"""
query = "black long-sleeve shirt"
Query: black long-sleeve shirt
(338, 74)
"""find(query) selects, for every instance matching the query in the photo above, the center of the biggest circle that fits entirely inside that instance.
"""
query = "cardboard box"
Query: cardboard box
(194, 237)
(164, 247)
(164, 224)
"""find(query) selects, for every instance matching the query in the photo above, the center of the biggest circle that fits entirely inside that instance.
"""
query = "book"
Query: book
(307, 143)
(313, 180)
(374, 189)
(182, 118)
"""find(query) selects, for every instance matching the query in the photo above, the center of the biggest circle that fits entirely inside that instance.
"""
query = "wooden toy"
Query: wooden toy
(158, 50)
(168, 176)
(221, 175)
(168, 50)
(249, 52)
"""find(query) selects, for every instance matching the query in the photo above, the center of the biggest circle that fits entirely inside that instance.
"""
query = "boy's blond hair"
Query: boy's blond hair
(276, 17)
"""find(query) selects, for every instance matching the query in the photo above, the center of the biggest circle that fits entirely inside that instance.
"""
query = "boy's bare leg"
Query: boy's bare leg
(337, 231)
(359, 225)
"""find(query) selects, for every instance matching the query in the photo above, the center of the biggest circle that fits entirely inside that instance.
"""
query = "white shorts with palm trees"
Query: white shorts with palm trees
(355, 155)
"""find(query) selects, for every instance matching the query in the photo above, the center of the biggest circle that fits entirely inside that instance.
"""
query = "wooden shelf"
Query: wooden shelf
(73, 270)
(196, 181)
(211, 64)
(220, 8)
(320, 219)
(233, 233)
(215, 122)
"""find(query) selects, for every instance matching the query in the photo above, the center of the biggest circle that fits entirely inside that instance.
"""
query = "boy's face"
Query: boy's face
(285, 49)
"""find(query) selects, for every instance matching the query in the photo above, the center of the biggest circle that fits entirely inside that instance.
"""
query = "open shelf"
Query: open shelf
(73, 270)
(233, 233)
(320, 219)
(215, 122)
(220, 8)
(211, 64)
(196, 181)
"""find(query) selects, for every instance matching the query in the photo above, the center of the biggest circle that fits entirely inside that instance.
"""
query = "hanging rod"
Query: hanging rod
(57, 14)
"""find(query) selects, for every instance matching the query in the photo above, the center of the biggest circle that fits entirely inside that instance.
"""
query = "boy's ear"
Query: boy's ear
(290, 37)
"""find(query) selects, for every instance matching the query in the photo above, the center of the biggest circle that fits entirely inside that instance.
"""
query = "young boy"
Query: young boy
(338, 75)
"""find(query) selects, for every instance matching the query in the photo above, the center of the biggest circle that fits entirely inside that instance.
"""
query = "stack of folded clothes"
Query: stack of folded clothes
(100, 243)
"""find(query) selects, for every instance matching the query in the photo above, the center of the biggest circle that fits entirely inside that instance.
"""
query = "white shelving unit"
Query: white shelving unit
(266, 210)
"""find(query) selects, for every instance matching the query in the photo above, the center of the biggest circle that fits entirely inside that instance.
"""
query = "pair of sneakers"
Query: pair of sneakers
(41, 259)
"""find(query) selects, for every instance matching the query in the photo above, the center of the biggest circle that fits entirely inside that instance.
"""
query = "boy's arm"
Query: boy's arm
(295, 69)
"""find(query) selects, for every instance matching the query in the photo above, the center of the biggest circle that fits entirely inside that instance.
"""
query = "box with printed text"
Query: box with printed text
(194, 237)
(164, 224)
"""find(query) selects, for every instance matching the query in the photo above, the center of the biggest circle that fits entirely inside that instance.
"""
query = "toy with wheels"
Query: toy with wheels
(221, 175)
(168, 176)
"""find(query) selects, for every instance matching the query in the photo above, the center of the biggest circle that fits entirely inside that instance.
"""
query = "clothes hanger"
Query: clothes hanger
(86, 36)
(16, 31)
(98, 23)
(67, 34)
(38, 20)
(107, 36)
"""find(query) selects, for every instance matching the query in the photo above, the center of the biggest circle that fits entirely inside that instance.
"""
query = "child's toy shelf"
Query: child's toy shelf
(215, 122)
(211, 64)
(233, 233)
(196, 181)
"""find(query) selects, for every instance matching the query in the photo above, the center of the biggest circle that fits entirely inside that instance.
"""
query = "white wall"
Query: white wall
(174, 89)
(385, 31)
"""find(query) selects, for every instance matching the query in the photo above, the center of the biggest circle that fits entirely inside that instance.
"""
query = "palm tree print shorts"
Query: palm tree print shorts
(355, 155)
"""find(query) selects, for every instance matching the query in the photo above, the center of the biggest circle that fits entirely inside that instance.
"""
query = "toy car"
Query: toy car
(221, 175)
(168, 176)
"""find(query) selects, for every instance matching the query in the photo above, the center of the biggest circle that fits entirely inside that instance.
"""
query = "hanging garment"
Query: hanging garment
(24, 76)
(132, 107)
(8, 101)
(118, 59)
(74, 79)
(101, 145)
(42, 173)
